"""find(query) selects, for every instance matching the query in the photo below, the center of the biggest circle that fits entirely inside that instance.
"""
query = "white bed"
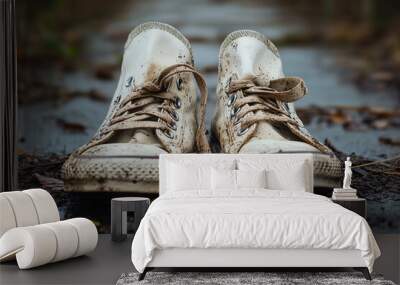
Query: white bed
(250, 227)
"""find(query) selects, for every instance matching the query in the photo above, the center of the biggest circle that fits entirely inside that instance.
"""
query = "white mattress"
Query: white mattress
(253, 219)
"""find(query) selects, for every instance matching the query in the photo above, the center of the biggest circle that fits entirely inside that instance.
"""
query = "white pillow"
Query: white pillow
(182, 177)
(293, 180)
(283, 174)
(251, 178)
(231, 180)
(191, 173)
(223, 179)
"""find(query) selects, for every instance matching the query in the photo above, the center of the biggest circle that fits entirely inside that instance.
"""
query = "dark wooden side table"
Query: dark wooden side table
(358, 205)
(119, 215)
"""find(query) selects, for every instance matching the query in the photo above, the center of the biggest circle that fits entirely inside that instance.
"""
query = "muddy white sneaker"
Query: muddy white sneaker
(255, 113)
(153, 111)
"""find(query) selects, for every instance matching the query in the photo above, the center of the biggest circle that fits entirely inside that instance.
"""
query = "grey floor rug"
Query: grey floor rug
(233, 278)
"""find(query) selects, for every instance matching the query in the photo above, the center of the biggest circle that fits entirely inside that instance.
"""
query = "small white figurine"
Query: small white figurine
(347, 174)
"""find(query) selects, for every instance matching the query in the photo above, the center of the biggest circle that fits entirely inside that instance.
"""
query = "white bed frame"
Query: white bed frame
(248, 258)
(234, 257)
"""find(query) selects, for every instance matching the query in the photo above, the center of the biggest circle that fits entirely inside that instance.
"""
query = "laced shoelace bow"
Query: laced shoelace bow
(131, 115)
(269, 97)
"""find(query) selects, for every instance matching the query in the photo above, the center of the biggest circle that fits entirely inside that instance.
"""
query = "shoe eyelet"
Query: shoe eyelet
(175, 116)
(231, 100)
(241, 132)
(177, 102)
(234, 111)
(179, 82)
(117, 99)
(168, 134)
(129, 81)
(228, 84)
(172, 126)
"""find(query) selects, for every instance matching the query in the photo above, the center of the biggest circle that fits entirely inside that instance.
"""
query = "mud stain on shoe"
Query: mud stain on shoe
(152, 72)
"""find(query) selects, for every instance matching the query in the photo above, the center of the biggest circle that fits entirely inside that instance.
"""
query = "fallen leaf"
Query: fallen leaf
(97, 96)
(339, 118)
(380, 124)
(382, 76)
(71, 127)
(354, 126)
(210, 69)
(379, 111)
(389, 141)
(105, 71)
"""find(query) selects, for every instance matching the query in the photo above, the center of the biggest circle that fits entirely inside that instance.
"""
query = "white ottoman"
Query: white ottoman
(31, 232)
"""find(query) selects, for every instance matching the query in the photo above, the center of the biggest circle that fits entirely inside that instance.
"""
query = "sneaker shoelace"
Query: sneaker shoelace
(131, 113)
(265, 100)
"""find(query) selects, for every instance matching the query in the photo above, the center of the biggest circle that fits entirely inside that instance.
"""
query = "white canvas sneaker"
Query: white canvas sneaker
(255, 112)
(153, 111)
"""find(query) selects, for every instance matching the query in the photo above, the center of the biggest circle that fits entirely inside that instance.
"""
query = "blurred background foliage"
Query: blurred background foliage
(53, 30)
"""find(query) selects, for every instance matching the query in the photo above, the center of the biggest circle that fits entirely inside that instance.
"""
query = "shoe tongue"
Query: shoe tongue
(266, 130)
(144, 136)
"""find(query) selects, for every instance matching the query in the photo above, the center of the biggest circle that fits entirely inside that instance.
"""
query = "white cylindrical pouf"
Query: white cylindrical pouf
(31, 231)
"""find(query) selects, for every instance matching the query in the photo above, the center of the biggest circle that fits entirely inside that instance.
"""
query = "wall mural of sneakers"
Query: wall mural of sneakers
(105, 90)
